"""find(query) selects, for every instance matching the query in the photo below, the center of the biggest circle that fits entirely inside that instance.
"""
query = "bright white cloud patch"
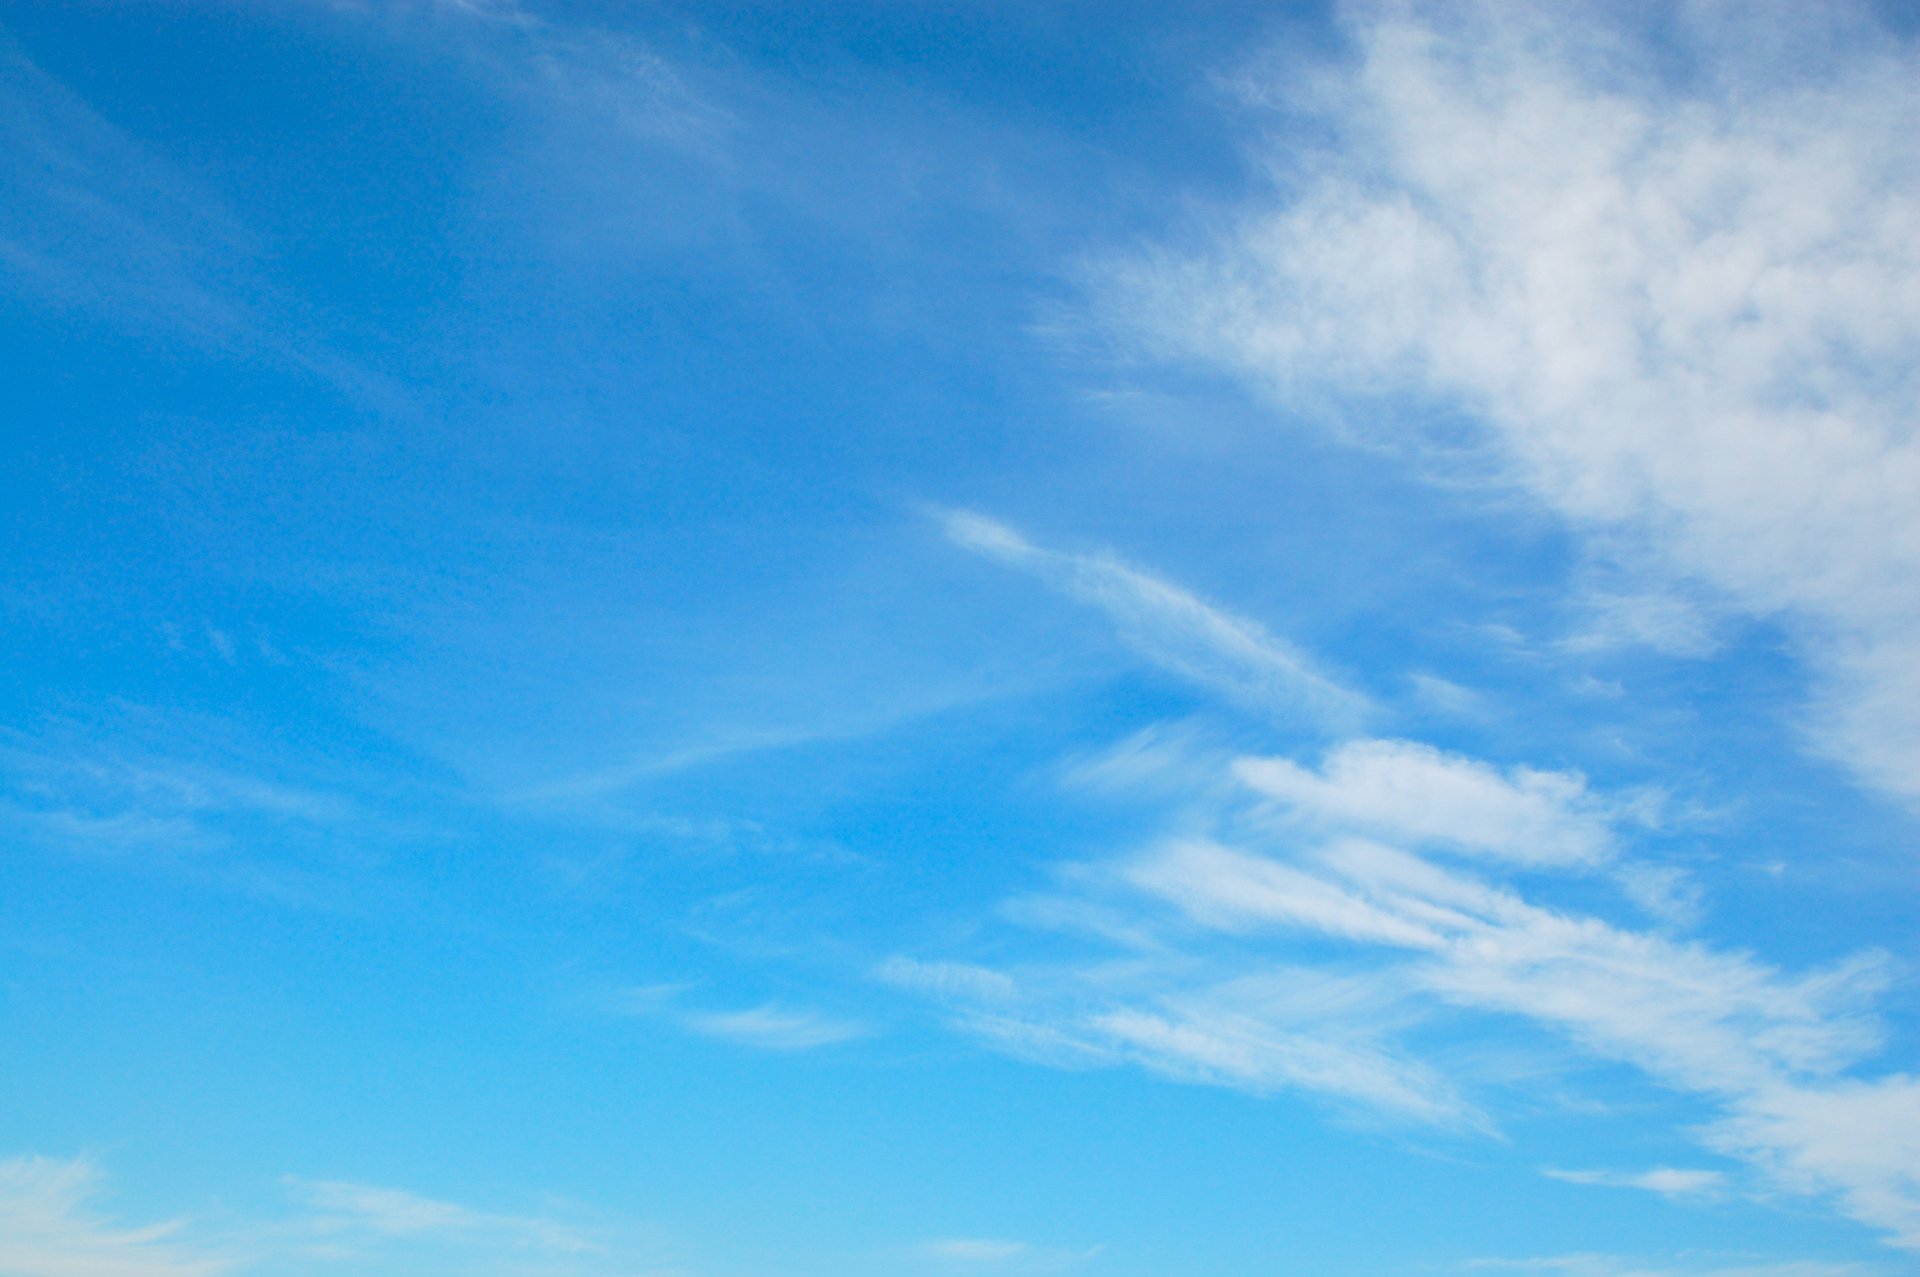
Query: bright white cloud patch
(1684, 309)
(1858, 1140)
(1415, 792)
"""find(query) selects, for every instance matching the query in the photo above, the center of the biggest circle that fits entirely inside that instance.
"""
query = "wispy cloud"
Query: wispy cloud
(598, 73)
(50, 1226)
(47, 1229)
(1218, 994)
(1426, 797)
(1666, 1180)
(771, 1026)
(776, 1028)
(396, 1212)
(94, 220)
(90, 220)
(85, 794)
(1231, 655)
(974, 1250)
(996, 1254)
(1708, 1266)
(1682, 308)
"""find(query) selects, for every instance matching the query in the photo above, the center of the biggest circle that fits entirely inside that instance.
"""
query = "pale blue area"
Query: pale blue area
(476, 604)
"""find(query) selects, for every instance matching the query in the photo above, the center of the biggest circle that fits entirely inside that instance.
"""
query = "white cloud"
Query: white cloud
(1209, 986)
(1427, 797)
(974, 1250)
(1233, 890)
(1228, 654)
(774, 1028)
(1214, 1038)
(47, 1230)
(949, 979)
(1617, 1266)
(1665, 622)
(394, 1212)
(1668, 1181)
(1000, 1254)
(1667, 892)
(94, 796)
(1857, 1141)
(1684, 313)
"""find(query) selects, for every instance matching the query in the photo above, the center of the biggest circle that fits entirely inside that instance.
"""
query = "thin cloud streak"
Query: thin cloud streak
(398, 1213)
(1224, 653)
(1666, 1180)
(776, 1028)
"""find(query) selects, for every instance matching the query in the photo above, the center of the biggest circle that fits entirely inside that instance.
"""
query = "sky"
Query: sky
(1129, 639)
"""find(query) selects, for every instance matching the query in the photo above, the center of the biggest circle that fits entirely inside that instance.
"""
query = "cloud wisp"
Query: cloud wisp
(770, 1026)
(393, 1212)
(999, 1255)
(51, 1227)
(47, 1229)
(1232, 656)
(776, 1028)
(1667, 1181)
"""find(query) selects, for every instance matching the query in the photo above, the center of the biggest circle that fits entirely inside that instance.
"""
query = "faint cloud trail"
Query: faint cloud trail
(1228, 654)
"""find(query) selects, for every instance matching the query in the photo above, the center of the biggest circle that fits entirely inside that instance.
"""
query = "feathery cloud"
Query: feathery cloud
(1227, 654)
(776, 1028)
(47, 1230)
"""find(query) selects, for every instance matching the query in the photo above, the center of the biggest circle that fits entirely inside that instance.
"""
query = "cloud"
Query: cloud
(600, 74)
(769, 1027)
(969, 1253)
(88, 219)
(1679, 306)
(46, 1229)
(1665, 1180)
(1210, 986)
(1219, 1039)
(974, 1250)
(393, 1212)
(775, 1028)
(1231, 655)
(948, 979)
(1427, 797)
(1233, 890)
(1664, 622)
(1857, 1141)
(1618, 1266)
(85, 793)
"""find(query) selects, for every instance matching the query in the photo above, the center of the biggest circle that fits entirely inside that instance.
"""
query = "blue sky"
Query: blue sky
(1127, 639)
